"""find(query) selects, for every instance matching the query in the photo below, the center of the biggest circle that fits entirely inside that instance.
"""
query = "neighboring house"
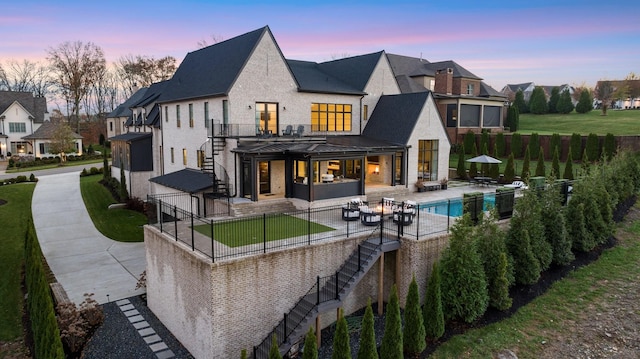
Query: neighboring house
(133, 150)
(464, 101)
(510, 90)
(41, 140)
(629, 91)
(117, 119)
(21, 114)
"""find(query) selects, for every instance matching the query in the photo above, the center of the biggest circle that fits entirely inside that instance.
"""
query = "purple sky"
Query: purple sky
(547, 42)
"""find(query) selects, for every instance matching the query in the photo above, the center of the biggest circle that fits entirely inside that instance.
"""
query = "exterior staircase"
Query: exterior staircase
(326, 294)
(219, 177)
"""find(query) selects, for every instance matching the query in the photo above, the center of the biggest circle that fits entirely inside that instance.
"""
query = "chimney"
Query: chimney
(444, 81)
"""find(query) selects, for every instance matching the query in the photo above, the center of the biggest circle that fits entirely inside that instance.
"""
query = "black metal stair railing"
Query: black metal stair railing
(326, 289)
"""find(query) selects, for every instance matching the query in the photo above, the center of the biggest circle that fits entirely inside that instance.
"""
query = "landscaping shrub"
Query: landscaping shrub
(565, 105)
(585, 103)
(538, 101)
(44, 328)
(84, 173)
(509, 171)
(368, 348)
(274, 351)
(414, 333)
(392, 345)
(592, 148)
(513, 118)
(135, 204)
(341, 346)
(77, 326)
(568, 168)
(473, 168)
(94, 170)
(461, 170)
(32, 178)
(122, 190)
(464, 284)
(484, 142)
(534, 146)
(494, 169)
(553, 100)
(470, 142)
(609, 146)
(310, 345)
(500, 145)
(432, 312)
(555, 227)
(582, 240)
(540, 169)
(555, 143)
(555, 164)
(575, 146)
(526, 165)
(21, 179)
(516, 145)
(519, 102)
(490, 243)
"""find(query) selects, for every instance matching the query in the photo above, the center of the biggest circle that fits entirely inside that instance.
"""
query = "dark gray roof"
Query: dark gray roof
(311, 78)
(458, 71)
(131, 136)
(152, 94)
(153, 118)
(124, 109)
(516, 87)
(408, 85)
(355, 70)
(409, 66)
(46, 131)
(36, 106)
(211, 71)
(488, 91)
(186, 180)
(395, 117)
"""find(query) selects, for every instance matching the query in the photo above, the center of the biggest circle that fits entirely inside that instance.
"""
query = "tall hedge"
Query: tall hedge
(274, 351)
(555, 226)
(470, 142)
(461, 170)
(568, 167)
(575, 146)
(432, 312)
(509, 170)
(520, 103)
(609, 146)
(526, 165)
(391, 347)
(368, 348)
(484, 142)
(500, 145)
(534, 145)
(555, 143)
(473, 167)
(464, 283)
(593, 147)
(555, 164)
(582, 239)
(540, 170)
(516, 145)
(44, 327)
(513, 118)
(310, 345)
(414, 333)
(341, 345)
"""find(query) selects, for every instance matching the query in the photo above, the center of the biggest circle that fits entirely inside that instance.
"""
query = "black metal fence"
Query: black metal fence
(221, 239)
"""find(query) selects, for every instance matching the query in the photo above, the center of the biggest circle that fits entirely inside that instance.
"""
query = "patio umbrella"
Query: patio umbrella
(485, 160)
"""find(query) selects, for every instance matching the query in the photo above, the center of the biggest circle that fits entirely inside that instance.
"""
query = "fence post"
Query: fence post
(309, 225)
(193, 240)
(337, 285)
(449, 212)
(159, 211)
(213, 254)
(381, 220)
(175, 220)
(318, 290)
(285, 328)
(359, 265)
(264, 232)
(418, 225)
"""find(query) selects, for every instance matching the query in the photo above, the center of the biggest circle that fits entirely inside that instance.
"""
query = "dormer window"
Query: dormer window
(469, 89)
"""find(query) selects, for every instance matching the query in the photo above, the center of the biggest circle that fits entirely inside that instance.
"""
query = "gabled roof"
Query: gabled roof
(211, 71)
(152, 94)
(488, 91)
(516, 87)
(311, 78)
(46, 132)
(408, 85)
(186, 180)
(409, 66)
(153, 118)
(395, 117)
(124, 109)
(355, 70)
(458, 71)
(35, 106)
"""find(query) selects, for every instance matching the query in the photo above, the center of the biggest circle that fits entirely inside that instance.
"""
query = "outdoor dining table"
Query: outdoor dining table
(482, 180)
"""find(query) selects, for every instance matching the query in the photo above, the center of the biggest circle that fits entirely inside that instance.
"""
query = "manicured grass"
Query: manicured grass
(251, 231)
(118, 224)
(527, 330)
(13, 221)
(617, 122)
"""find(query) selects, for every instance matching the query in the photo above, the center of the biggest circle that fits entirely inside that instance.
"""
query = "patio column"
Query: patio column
(381, 284)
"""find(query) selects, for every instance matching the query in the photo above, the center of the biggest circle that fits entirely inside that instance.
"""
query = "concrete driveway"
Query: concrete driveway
(81, 258)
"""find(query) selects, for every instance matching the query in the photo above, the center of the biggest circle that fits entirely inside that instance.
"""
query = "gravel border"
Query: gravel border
(117, 338)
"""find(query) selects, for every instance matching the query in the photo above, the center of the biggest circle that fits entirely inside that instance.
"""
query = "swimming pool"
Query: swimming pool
(453, 207)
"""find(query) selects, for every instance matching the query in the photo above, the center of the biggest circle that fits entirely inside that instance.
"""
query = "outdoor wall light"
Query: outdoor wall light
(249, 107)
(376, 171)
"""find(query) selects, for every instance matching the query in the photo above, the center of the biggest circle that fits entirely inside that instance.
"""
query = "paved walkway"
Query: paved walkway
(81, 258)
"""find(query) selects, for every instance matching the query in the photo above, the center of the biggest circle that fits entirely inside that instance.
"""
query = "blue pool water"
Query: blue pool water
(453, 207)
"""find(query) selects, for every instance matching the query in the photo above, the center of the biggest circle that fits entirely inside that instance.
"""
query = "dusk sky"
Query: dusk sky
(547, 42)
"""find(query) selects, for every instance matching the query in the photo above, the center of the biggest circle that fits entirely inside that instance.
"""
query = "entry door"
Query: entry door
(265, 176)
(246, 179)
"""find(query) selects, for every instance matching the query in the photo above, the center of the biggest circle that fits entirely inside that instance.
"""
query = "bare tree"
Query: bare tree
(76, 66)
(604, 92)
(214, 40)
(26, 76)
(142, 71)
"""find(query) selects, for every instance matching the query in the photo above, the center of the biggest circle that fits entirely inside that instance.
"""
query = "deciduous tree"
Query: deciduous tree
(62, 141)
(142, 71)
(604, 92)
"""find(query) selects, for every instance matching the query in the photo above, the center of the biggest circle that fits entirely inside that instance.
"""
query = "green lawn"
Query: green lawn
(118, 224)
(251, 231)
(617, 122)
(13, 221)
(553, 312)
